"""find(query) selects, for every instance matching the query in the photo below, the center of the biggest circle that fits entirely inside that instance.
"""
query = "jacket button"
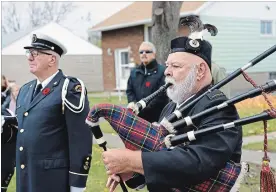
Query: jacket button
(22, 166)
(21, 148)
(21, 130)
(26, 114)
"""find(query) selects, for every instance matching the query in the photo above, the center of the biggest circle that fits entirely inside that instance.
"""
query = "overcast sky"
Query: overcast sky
(99, 11)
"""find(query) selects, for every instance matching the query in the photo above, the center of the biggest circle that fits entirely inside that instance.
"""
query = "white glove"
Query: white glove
(134, 107)
(76, 189)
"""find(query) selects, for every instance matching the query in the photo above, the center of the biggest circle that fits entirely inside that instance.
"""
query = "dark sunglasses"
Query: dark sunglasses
(145, 51)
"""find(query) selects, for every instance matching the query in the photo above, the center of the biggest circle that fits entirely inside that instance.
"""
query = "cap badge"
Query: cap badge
(52, 48)
(194, 43)
(34, 38)
(78, 88)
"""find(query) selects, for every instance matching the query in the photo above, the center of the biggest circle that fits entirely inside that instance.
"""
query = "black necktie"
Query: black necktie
(37, 90)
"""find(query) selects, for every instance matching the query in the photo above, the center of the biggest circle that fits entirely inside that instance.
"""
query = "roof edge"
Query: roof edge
(123, 25)
(141, 22)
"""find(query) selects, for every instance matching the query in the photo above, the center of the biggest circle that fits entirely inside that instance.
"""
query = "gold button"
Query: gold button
(21, 148)
(26, 114)
(22, 166)
(21, 130)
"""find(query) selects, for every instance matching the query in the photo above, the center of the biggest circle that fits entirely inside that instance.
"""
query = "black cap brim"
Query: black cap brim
(36, 47)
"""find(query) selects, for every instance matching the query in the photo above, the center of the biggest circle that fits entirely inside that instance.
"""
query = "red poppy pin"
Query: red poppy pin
(147, 84)
(46, 91)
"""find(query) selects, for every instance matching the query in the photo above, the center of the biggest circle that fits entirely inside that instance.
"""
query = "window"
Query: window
(148, 33)
(266, 27)
(125, 69)
(272, 75)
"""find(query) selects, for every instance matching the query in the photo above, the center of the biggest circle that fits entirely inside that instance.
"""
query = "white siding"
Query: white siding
(247, 9)
(238, 41)
(88, 68)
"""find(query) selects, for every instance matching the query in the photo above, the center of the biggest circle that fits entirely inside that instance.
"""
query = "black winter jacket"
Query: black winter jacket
(143, 81)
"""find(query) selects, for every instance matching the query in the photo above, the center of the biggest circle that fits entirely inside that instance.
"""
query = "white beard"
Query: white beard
(181, 91)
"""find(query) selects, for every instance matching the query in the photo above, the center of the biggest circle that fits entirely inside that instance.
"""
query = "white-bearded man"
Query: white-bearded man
(208, 164)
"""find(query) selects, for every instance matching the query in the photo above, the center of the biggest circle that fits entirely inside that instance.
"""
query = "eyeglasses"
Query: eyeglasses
(145, 51)
(34, 53)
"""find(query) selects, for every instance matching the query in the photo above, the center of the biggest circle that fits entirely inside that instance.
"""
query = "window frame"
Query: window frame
(272, 28)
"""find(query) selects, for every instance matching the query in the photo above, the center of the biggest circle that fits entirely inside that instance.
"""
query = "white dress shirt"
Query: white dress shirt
(46, 81)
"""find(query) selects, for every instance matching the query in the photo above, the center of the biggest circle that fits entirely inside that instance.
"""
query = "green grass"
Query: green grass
(256, 128)
(106, 128)
(97, 175)
(251, 183)
(260, 146)
(113, 99)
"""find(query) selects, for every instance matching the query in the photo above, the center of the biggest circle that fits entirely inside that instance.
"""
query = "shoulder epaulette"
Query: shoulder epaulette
(78, 88)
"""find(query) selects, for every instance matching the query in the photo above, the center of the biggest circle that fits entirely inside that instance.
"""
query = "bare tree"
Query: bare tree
(4, 30)
(35, 13)
(11, 20)
(64, 9)
(44, 12)
(39, 13)
(165, 23)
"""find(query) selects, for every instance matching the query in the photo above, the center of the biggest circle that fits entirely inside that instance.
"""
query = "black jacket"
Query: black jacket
(203, 158)
(8, 143)
(143, 81)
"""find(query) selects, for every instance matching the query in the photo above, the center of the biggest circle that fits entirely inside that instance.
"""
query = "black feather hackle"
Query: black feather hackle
(195, 25)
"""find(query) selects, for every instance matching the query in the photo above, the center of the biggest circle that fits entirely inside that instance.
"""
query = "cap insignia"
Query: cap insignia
(34, 38)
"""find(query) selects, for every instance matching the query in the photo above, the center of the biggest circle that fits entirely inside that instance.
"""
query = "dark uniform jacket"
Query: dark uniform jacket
(53, 150)
(143, 81)
(201, 159)
(8, 142)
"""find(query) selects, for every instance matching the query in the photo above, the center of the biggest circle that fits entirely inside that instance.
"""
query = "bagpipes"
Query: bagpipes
(138, 134)
(140, 105)
(9, 126)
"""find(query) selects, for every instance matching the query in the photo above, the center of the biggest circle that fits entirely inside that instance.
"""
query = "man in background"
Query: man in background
(145, 79)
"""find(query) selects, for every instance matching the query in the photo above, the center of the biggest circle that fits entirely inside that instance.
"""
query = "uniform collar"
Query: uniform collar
(46, 81)
(149, 68)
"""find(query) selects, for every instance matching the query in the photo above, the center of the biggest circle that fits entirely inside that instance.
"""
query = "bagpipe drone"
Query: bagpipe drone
(139, 134)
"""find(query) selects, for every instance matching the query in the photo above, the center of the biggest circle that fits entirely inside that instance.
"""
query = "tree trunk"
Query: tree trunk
(165, 21)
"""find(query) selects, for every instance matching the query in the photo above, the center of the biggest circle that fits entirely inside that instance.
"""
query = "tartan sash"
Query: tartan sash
(138, 134)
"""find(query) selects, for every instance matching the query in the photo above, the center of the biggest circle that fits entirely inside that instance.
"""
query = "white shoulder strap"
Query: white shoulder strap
(72, 107)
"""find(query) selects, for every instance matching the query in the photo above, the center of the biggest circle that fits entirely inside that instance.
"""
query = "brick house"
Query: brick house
(123, 32)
